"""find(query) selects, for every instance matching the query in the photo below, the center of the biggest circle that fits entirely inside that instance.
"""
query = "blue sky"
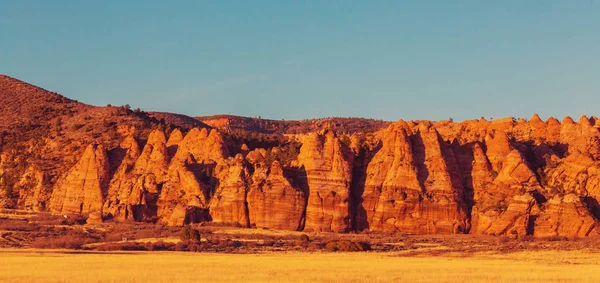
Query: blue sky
(305, 59)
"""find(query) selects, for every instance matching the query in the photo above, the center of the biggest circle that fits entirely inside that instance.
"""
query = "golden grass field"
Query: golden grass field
(57, 266)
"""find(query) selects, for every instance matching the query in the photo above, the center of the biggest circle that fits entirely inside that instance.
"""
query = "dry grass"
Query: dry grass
(174, 240)
(264, 232)
(53, 266)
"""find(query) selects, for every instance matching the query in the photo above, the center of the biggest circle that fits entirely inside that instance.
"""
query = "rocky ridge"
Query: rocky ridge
(501, 177)
(415, 181)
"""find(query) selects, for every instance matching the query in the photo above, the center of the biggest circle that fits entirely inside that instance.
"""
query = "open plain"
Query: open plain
(33, 265)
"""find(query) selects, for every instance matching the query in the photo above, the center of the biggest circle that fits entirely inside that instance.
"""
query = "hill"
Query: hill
(511, 177)
(268, 126)
(45, 132)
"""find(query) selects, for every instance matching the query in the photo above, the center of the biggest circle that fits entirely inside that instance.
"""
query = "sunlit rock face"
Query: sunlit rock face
(274, 202)
(82, 189)
(328, 166)
(531, 177)
(503, 177)
(413, 184)
(566, 216)
(515, 177)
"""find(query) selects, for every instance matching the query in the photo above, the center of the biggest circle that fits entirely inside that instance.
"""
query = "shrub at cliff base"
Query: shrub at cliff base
(303, 238)
(347, 246)
(189, 234)
(60, 242)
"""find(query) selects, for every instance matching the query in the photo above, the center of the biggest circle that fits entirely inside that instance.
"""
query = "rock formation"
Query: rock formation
(83, 188)
(494, 177)
(413, 185)
(510, 178)
(566, 216)
(229, 205)
(134, 189)
(328, 166)
(32, 189)
(189, 183)
(274, 202)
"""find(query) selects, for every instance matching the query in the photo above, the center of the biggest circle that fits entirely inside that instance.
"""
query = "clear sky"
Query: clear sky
(305, 59)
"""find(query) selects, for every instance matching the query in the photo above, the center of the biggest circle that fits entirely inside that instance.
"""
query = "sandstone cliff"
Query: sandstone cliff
(566, 216)
(83, 188)
(506, 180)
(229, 205)
(274, 202)
(499, 177)
(412, 184)
(328, 166)
(190, 181)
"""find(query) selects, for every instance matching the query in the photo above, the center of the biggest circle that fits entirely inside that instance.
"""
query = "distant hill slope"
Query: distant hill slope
(24, 104)
(268, 126)
(51, 131)
(178, 120)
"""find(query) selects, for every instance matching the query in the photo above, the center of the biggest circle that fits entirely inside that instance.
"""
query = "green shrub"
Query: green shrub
(189, 234)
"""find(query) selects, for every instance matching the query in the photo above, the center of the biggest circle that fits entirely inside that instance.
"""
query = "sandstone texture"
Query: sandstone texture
(513, 177)
(502, 177)
(83, 188)
(412, 184)
(274, 202)
(328, 166)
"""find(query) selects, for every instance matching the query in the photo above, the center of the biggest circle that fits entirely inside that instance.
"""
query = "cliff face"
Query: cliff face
(191, 181)
(274, 202)
(501, 177)
(83, 188)
(229, 204)
(133, 188)
(328, 166)
(531, 177)
(565, 216)
(498, 178)
(413, 184)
